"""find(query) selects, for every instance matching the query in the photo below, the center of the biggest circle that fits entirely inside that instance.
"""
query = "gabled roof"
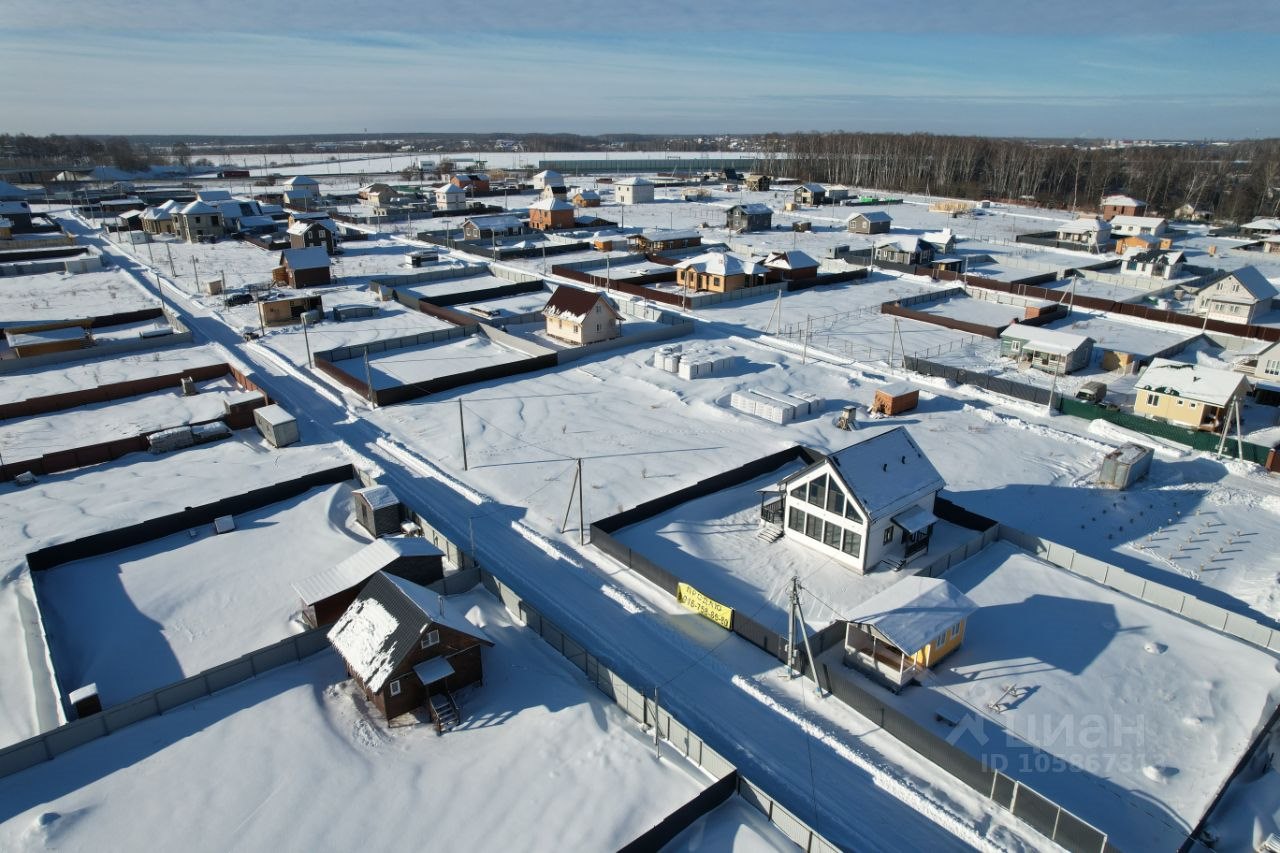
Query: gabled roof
(496, 222)
(721, 263)
(914, 611)
(659, 235)
(1046, 340)
(551, 203)
(197, 208)
(1141, 221)
(813, 188)
(570, 303)
(213, 195)
(310, 258)
(635, 181)
(1192, 381)
(587, 194)
(1263, 225)
(157, 214)
(884, 473)
(1123, 201)
(386, 621)
(549, 178)
(302, 181)
(450, 189)
(360, 566)
(903, 244)
(302, 226)
(754, 208)
(790, 260)
(871, 216)
(1087, 225)
(1252, 281)
(1153, 256)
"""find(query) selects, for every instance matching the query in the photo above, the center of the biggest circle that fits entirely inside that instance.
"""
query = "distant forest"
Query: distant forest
(1237, 181)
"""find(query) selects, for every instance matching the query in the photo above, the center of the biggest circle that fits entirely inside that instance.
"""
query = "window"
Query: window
(835, 500)
(395, 687)
(798, 492)
(1180, 403)
(888, 534)
(831, 535)
(1271, 367)
(852, 544)
(850, 512)
(818, 491)
(1153, 399)
(432, 638)
(795, 520)
(813, 527)
(1193, 405)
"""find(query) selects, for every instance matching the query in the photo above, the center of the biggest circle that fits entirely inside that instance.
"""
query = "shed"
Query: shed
(869, 222)
(895, 398)
(306, 267)
(1046, 349)
(274, 312)
(1125, 466)
(327, 594)
(907, 628)
(276, 425)
(377, 509)
(43, 341)
(405, 645)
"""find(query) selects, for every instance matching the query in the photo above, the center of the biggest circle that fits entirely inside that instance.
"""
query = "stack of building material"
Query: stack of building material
(776, 406)
(167, 440)
(693, 363)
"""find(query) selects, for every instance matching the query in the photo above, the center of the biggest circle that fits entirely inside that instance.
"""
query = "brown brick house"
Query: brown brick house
(550, 212)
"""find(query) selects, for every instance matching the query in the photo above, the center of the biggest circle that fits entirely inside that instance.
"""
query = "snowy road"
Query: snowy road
(858, 787)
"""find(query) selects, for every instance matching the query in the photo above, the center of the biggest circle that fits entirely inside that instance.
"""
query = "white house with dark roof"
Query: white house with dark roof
(867, 504)
(1239, 297)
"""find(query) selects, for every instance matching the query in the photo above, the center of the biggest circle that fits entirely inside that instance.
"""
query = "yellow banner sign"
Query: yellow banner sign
(708, 607)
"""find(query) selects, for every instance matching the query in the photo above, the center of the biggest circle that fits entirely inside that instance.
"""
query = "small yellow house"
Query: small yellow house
(719, 272)
(581, 317)
(1189, 395)
(906, 629)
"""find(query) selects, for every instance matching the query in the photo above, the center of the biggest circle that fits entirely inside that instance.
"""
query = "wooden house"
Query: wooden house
(1143, 242)
(634, 190)
(198, 221)
(585, 198)
(1090, 234)
(377, 189)
(665, 239)
(490, 227)
(581, 317)
(1239, 297)
(810, 193)
(27, 342)
(1188, 395)
(749, 217)
(406, 646)
(869, 222)
(305, 234)
(276, 312)
(719, 272)
(904, 250)
(551, 212)
(757, 183)
(1122, 205)
(1046, 349)
(868, 504)
(307, 267)
(377, 510)
(790, 265)
(899, 633)
(326, 595)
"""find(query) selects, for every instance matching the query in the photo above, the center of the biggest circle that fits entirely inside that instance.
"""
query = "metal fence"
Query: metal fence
(1197, 439)
(996, 384)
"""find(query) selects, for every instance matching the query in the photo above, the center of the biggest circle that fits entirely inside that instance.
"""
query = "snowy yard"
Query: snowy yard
(93, 372)
(541, 761)
(55, 296)
(1142, 714)
(141, 618)
(408, 365)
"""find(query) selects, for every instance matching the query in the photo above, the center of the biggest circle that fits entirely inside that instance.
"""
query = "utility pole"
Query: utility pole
(462, 429)
(368, 378)
(173, 269)
(808, 330)
(796, 615)
(582, 513)
(306, 341)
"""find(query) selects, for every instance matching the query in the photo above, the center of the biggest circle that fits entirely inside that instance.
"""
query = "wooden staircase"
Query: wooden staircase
(769, 532)
(444, 711)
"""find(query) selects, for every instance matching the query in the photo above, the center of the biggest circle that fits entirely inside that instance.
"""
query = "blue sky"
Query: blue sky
(998, 67)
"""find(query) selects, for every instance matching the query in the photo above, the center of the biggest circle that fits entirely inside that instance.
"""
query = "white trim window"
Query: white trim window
(431, 639)
(395, 687)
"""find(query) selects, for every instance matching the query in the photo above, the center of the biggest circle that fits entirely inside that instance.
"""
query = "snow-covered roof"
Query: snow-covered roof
(548, 178)
(944, 238)
(896, 389)
(721, 263)
(754, 208)
(255, 221)
(589, 195)
(1251, 281)
(302, 226)
(886, 472)
(302, 181)
(497, 222)
(377, 497)
(1086, 225)
(1123, 201)
(360, 566)
(551, 203)
(214, 195)
(275, 415)
(570, 303)
(433, 669)
(1192, 381)
(1046, 340)
(1139, 221)
(813, 188)
(661, 235)
(914, 611)
(45, 336)
(385, 622)
(906, 243)
(871, 216)
(450, 189)
(635, 181)
(198, 208)
(309, 258)
(156, 214)
(1263, 225)
(8, 191)
(789, 260)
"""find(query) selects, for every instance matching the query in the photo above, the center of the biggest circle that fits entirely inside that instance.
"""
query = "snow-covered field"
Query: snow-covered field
(53, 296)
(733, 827)
(431, 361)
(63, 378)
(133, 620)
(541, 761)
(1144, 714)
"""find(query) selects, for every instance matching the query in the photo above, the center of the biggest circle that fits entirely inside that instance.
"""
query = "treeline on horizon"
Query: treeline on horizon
(1237, 181)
